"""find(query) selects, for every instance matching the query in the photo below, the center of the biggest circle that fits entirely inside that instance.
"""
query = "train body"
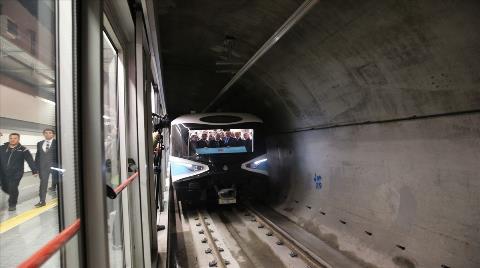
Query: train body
(217, 157)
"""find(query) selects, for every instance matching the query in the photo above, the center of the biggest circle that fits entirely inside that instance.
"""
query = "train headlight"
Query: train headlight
(258, 165)
(182, 168)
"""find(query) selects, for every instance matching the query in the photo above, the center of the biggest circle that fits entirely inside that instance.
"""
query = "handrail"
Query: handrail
(43, 254)
(125, 183)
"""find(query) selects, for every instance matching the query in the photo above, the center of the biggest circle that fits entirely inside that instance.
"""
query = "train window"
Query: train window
(112, 149)
(218, 141)
(35, 180)
(12, 28)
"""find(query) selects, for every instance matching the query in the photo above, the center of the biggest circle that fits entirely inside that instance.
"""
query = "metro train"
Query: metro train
(218, 157)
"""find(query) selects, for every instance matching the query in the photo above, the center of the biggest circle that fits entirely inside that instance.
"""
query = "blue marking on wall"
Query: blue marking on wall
(318, 181)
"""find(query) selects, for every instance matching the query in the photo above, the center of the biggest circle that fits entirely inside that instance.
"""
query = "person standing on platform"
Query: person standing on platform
(12, 158)
(3, 184)
(45, 158)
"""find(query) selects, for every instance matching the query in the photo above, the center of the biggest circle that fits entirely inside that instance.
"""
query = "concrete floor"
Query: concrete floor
(22, 241)
(162, 236)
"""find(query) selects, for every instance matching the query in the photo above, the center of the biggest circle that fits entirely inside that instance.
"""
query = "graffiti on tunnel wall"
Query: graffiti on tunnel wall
(318, 181)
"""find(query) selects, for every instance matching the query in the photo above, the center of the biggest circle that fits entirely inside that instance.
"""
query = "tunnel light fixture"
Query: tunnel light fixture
(257, 165)
(258, 162)
(286, 26)
(181, 168)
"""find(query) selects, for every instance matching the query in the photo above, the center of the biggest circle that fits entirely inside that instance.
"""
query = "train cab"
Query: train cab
(217, 156)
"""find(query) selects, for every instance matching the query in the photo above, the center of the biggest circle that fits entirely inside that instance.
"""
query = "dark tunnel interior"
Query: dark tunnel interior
(344, 62)
(380, 99)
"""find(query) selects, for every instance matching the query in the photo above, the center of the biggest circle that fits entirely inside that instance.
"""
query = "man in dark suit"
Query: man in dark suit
(12, 161)
(45, 158)
(237, 140)
(203, 142)
(229, 141)
(3, 183)
(217, 142)
(193, 144)
(247, 141)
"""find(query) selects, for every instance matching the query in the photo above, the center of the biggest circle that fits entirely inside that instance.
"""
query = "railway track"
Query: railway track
(239, 236)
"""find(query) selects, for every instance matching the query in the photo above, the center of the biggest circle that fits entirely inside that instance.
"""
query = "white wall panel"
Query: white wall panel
(18, 105)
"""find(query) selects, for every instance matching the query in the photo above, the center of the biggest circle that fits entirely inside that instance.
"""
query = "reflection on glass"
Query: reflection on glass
(27, 130)
(112, 150)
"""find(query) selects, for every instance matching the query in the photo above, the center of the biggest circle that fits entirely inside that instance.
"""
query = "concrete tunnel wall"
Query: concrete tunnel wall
(413, 184)
(357, 61)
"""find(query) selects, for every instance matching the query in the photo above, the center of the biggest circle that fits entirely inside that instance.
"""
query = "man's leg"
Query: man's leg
(42, 190)
(4, 183)
(54, 181)
(13, 182)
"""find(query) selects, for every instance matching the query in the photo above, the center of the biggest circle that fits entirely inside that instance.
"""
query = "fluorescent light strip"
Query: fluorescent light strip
(292, 20)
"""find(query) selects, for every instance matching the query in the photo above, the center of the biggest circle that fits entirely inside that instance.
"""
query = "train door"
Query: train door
(40, 193)
(75, 89)
(128, 138)
(114, 141)
(145, 144)
(119, 106)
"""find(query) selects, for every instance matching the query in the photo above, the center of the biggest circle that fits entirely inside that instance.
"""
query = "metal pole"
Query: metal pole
(90, 61)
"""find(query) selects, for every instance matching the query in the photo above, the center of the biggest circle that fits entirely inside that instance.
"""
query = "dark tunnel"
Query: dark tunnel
(378, 98)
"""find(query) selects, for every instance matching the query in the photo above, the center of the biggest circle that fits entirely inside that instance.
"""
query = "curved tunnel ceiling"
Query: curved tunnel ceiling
(344, 62)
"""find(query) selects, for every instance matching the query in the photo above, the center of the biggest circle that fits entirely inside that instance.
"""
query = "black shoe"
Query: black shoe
(40, 204)
(12, 208)
(160, 227)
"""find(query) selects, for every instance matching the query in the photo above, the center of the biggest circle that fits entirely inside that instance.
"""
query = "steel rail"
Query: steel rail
(304, 253)
(211, 242)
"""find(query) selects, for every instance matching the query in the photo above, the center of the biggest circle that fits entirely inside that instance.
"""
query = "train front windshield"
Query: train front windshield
(219, 141)
(188, 142)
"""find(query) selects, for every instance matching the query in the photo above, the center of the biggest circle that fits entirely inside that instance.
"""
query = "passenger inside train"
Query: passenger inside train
(220, 141)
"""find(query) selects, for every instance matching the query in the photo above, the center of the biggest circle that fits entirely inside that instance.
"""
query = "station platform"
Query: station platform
(24, 231)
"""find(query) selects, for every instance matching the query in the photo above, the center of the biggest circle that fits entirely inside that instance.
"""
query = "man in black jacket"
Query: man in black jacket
(3, 184)
(12, 158)
(45, 158)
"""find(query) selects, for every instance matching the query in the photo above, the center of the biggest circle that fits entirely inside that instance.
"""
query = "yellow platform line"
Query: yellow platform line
(25, 216)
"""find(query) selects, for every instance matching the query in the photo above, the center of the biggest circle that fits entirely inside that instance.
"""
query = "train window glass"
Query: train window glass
(112, 150)
(219, 141)
(12, 28)
(29, 151)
